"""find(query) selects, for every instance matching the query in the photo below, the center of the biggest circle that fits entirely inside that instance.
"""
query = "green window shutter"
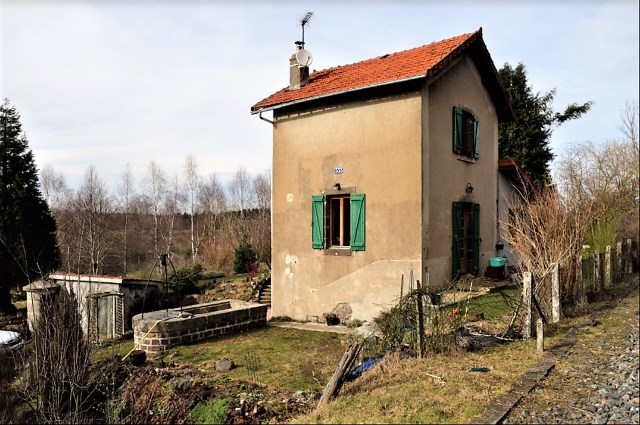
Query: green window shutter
(357, 221)
(317, 222)
(457, 130)
(476, 238)
(476, 146)
(456, 218)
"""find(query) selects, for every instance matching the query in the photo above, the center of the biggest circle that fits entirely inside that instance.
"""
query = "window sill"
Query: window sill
(468, 159)
(338, 251)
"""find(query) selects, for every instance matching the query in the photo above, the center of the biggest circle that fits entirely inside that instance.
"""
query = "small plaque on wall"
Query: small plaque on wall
(338, 170)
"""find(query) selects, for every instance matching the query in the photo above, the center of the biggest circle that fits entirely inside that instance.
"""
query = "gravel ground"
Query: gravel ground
(597, 380)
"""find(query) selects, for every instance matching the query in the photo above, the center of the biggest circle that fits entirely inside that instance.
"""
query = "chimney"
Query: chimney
(298, 74)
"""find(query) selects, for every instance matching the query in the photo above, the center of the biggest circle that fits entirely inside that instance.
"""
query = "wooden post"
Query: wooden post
(527, 287)
(337, 379)
(607, 266)
(539, 335)
(555, 294)
(629, 258)
(619, 271)
(596, 271)
(581, 297)
(420, 321)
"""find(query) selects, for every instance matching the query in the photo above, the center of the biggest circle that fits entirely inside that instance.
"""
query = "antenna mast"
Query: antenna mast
(303, 22)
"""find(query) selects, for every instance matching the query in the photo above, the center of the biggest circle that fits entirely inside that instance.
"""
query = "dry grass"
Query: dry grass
(438, 389)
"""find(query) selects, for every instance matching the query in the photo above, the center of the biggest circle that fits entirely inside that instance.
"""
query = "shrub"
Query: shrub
(215, 412)
(184, 280)
(245, 257)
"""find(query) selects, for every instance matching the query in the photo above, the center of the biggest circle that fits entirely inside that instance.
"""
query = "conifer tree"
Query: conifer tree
(527, 138)
(28, 247)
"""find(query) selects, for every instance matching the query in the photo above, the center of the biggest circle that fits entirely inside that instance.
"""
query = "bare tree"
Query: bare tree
(240, 194)
(60, 199)
(174, 198)
(155, 189)
(94, 204)
(606, 174)
(192, 182)
(57, 381)
(261, 235)
(543, 230)
(126, 192)
(241, 199)
(54, 188)
(212, 203)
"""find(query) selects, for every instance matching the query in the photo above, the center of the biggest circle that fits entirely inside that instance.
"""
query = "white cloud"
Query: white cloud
(110, 83)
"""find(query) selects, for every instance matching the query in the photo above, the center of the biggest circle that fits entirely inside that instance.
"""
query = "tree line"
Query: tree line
(193, 218)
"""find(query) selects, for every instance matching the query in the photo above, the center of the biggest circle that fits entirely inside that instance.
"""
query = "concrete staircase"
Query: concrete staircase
(265, 294)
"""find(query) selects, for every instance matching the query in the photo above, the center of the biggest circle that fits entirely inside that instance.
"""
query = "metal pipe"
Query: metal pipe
(265, 119)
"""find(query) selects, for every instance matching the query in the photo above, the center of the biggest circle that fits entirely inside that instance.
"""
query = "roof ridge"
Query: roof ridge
(467, 35)
(416, 62)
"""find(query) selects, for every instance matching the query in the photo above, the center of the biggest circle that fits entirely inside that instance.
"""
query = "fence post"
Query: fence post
(629, 258)
(596, 271)
(607, 266)
(555, 294)
(619, 270)
(540, 335)
(527, 283)
(580, 292)
(420, 321)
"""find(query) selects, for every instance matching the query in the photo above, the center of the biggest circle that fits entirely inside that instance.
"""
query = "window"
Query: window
(465, 256)
(465, 133)
(337, 221)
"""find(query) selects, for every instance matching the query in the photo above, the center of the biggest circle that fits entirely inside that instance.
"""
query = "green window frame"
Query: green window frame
(465, 133)
(322, 221)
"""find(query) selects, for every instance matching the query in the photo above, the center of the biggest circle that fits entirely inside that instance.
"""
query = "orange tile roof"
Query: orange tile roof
(422, 61)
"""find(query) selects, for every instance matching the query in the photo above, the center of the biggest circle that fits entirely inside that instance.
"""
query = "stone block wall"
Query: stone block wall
(161, 330)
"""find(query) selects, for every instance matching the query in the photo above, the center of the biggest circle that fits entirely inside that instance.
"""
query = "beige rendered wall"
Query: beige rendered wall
(447, 174)
(378, 144)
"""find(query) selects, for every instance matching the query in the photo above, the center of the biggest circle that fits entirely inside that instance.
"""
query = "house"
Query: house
(514, 185)
(106, 303)
(383, 169)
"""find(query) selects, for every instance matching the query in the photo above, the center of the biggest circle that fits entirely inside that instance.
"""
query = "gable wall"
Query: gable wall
(447, 176)
(377, 143)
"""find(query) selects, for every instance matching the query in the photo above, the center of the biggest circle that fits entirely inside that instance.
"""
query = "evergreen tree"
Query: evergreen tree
(28, 248)
(245, 257)
(527, 138)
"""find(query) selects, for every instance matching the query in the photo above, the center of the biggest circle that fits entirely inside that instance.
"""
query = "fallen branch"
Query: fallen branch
(336, 381)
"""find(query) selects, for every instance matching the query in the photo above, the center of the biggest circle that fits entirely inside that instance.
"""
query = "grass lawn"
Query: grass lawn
(440, 388)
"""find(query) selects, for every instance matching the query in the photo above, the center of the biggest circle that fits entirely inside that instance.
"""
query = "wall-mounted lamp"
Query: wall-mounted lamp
(469, 188)
(337, 186)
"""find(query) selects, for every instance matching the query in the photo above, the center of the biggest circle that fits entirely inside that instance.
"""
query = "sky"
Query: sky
(110, 83)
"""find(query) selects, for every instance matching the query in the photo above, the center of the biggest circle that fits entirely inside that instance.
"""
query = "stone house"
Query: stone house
(383, 169)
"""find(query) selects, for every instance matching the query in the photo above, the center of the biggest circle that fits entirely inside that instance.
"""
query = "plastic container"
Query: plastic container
(497, 261)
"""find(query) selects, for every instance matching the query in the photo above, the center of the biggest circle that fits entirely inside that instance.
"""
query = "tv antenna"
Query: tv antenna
(303, 57)
(305, 19)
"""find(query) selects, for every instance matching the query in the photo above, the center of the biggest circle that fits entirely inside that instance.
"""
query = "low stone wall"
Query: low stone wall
(167, 329)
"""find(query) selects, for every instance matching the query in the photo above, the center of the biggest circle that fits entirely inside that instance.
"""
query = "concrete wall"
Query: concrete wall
(377, 143)
(448, 174)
